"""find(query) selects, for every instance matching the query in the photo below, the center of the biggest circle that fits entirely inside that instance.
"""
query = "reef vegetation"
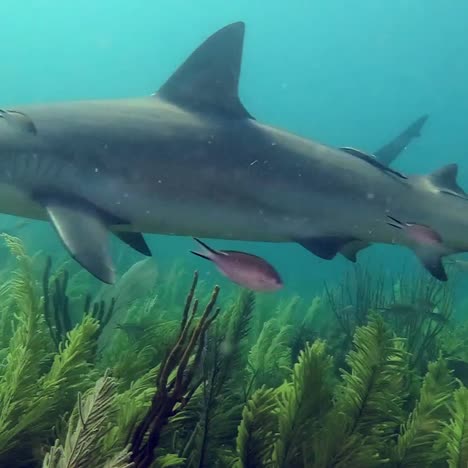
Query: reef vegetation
(173, 373)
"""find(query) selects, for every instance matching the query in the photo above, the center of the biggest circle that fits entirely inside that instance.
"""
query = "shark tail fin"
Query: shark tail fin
(208, 80)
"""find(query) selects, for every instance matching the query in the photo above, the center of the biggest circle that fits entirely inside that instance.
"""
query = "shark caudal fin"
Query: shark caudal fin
(208, 80)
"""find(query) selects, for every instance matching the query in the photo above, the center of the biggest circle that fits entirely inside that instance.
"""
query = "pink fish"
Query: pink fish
(420, 233)
(242, 268)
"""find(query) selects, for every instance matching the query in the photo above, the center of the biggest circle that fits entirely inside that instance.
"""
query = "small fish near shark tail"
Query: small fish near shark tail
(384, 156)
(208, 252)
(428, 246)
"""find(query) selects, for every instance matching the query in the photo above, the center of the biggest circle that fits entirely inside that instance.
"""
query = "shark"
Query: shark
(388, 153)
(191, 160)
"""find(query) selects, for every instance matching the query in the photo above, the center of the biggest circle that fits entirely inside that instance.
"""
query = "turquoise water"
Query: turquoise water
(341, 72)
(343, 367)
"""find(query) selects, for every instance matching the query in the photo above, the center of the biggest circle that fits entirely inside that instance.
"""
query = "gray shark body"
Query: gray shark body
(190, 160)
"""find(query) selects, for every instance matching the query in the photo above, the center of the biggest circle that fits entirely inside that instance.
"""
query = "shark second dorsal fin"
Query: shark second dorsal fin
(208, 80)
(445, 180)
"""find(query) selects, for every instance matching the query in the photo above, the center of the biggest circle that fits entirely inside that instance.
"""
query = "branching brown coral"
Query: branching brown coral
(175, 383)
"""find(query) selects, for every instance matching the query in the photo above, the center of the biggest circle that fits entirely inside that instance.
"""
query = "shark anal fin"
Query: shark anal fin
(135, 240)
(431, 259)
(208, 80)
(325, 247)
(85, 235)
(351, 249)
(372, 160)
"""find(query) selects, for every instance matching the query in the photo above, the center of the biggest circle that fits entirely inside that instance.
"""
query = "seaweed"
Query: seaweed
(420, 310)
(302, 402)
(265, 384)
(173, 392)
(82, 446)
(360, 292)
(223, 377)
(368, 407)
(421, 432)
(36, 387)
(258, 429)
(57, 312)
(270, 358)
(456, 431)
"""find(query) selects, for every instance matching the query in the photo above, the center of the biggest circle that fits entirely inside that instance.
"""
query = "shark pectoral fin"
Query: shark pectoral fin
(351, 249)
(135, 240)
(325, 247)
(85, 235)
(208, 80)
(431, 258)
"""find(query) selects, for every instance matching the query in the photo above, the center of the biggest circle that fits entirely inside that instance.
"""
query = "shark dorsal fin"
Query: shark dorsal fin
(445, 179)
(208, 80)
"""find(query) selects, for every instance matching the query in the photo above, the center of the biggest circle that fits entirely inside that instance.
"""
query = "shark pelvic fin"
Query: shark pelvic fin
(135, 240)
(325, 247)
(372, 160)
(351, 249)
(85, 235)
(431, 259)
(445, 179)
(208, 80)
